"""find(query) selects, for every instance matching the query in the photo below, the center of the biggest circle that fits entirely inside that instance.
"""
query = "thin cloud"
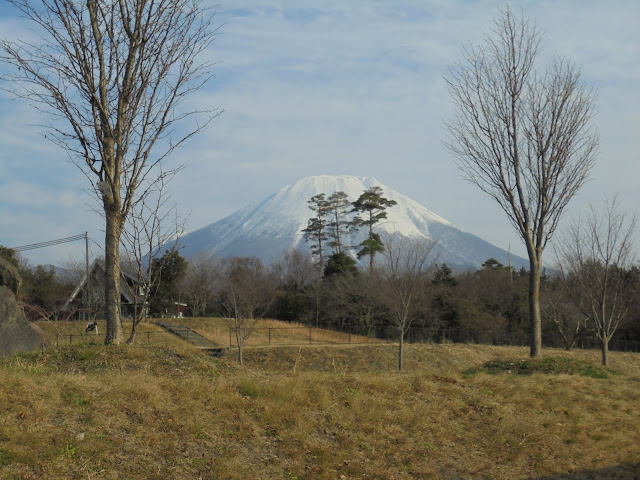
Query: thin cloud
(356, 88)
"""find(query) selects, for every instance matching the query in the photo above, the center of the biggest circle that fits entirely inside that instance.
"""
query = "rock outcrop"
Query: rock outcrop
(9, 276)
(17, 334)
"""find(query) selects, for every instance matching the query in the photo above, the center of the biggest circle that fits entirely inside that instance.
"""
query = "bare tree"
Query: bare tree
(354, 301)
(295, 269)
(113, 75)
(596, 253)
(570, 322)
(247, 294)
(523, 138)
(202, 281)
(405, 275)
(152, 229)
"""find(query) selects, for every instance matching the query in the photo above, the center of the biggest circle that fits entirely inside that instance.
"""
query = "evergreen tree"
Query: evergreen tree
(316, 230)
(492, 263)
(40, 285)
(340, 264)
(372, 205)
(338, 206)
(444, 276)
(172, 268)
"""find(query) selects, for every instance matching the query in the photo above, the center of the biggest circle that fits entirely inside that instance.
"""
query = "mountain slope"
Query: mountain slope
(269, 228)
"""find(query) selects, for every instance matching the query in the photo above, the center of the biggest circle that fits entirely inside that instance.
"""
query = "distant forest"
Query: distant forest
(489, 305)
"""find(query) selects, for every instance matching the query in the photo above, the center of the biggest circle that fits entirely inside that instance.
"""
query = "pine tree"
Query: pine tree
(339, 225)
(340, 264)
(444, 276)
(169, 272)
(316, 230)
(372, 205)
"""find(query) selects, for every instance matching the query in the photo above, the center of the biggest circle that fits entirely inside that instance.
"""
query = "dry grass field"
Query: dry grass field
(266, 332)
(168, 411)
(271, 332)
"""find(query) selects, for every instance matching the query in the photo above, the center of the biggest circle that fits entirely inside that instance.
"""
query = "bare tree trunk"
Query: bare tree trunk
(132, 337)
(604, 343)
(240, 360)
(534, 308)
(523, 138)
(597, 253)
(112, 278)
(112, 74)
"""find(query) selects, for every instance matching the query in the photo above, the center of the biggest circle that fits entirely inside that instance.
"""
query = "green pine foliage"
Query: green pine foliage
(371, 208)
(340, 264)
(316, 230)
(444, 276)
(339, 224)
(172, 268)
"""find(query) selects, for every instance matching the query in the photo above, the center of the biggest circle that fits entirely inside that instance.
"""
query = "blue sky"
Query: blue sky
(337, 87)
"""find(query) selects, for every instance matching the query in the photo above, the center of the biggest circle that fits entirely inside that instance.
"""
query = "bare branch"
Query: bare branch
(113, 77)
(595, 254)
(524, 139)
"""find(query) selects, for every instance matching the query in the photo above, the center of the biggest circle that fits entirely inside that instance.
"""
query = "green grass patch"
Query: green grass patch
(5, 457)
(550, 365)
(248, 390)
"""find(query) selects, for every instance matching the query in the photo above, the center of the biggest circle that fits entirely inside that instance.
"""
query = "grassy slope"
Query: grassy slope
(312, 412)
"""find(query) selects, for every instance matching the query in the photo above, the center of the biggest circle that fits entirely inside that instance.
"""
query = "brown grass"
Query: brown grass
(267, 332)
(310, 412)
(272, 332)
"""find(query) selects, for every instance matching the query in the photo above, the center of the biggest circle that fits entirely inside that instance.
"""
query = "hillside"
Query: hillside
(157, 412)
(269, 228)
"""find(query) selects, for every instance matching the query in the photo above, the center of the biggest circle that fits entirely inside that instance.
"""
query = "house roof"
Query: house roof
(99, 264)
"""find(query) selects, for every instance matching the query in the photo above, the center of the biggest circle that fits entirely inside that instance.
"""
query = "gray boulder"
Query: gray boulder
(17, 334)
(9, 276)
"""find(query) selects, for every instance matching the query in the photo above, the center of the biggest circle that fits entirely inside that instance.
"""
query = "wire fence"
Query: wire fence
(294, 336)
(272, 336)
(147, 338)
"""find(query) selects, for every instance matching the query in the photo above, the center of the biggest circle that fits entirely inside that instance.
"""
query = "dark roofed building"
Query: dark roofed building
(88, 297)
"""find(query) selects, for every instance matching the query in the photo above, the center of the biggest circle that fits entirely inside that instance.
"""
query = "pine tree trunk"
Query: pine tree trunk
(112, 277)
(370, 237)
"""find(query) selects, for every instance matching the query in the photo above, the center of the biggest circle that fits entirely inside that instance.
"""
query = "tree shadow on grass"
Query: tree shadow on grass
(625, 471)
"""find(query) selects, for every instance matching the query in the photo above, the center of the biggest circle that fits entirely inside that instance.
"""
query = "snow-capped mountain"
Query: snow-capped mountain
(269, 228)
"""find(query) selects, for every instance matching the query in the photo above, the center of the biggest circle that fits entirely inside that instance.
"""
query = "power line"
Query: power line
(49, 243)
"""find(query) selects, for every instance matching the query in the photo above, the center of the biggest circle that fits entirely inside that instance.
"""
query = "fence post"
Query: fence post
(269, 335)
(349, 336)
(70, 339)
(149, 337)
(310, 328)
(229, 338)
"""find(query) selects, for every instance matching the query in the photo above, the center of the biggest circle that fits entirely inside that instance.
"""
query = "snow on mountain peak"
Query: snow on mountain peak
(269, 228)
